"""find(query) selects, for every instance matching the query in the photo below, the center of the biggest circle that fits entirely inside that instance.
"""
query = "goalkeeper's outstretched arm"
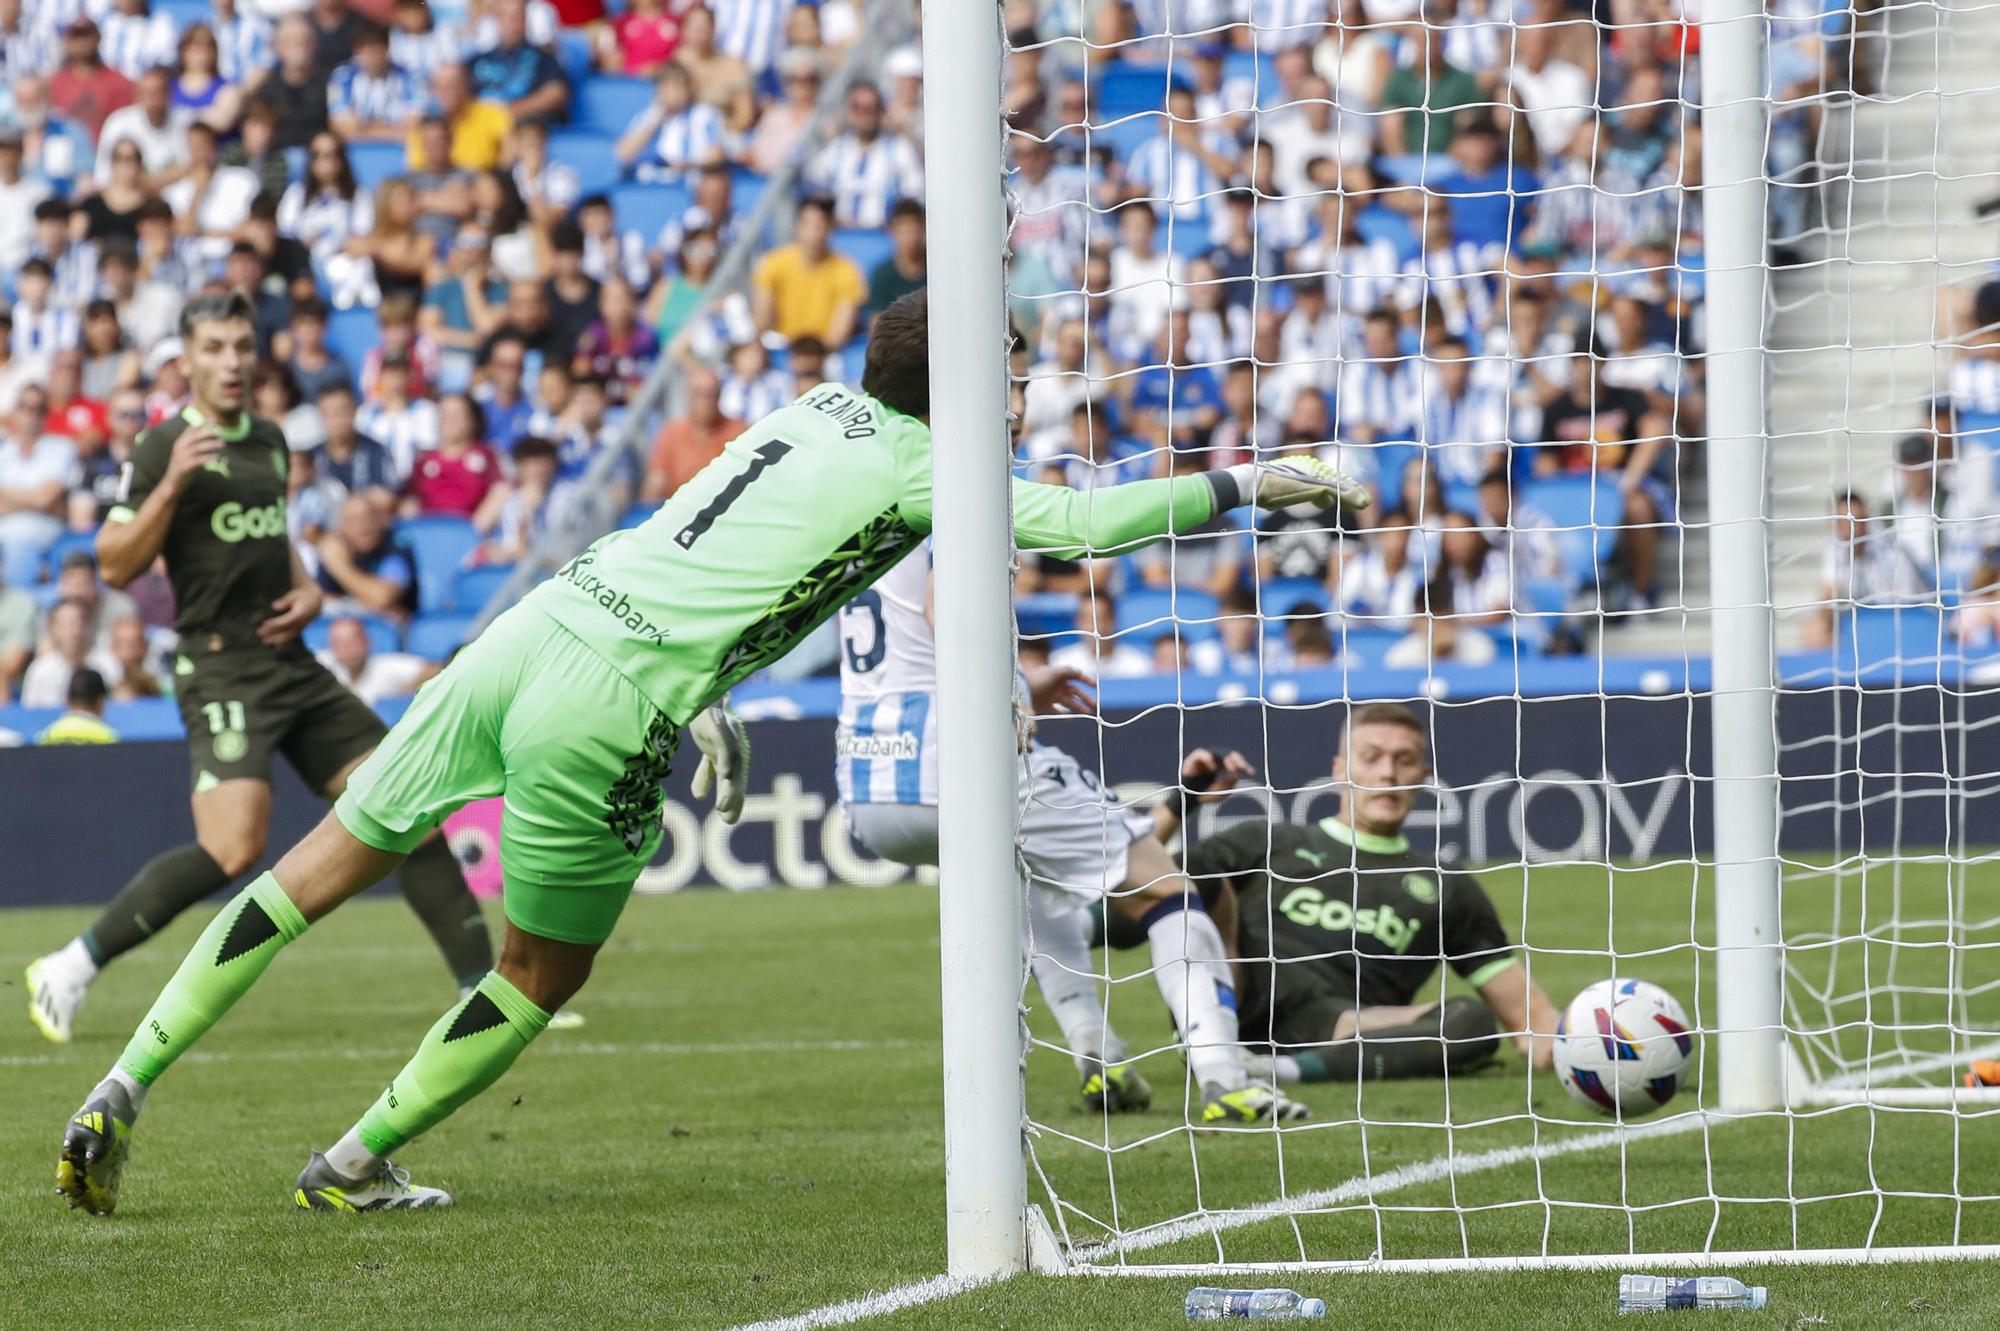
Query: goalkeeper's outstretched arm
(1117, 519)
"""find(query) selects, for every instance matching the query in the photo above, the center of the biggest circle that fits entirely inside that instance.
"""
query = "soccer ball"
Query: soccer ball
(1623, 1047)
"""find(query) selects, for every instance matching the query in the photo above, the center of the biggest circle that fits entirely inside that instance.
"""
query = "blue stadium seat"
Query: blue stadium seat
(1587, 512)
(1874, 636)
(1548, 596)
(1042, 613)
(1260, 70)
(609, 103)
(476, 586)
(383, 636)
(441, 546)
(1405, 168)
(866, 245)
(1187, 237)
(351, 333)
(186, 12)
(1123, 136)
(573, 50)
(746, 189)
(1123, 89)
(1277, 597)
(1149, 614)
(59, 550)
(647, 208)
(590, 154)
(374, 163)
(1362, 646)
(436, 637)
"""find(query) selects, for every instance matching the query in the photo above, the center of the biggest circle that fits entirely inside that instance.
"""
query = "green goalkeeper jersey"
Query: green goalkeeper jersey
(798, 514)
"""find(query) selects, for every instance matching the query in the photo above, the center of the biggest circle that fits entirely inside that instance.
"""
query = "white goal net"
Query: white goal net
(1489, 258)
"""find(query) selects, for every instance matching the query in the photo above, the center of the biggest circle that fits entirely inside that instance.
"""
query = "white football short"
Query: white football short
(1076, 837)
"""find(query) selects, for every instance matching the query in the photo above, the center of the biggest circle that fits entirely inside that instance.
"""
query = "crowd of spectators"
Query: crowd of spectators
(1459, 257)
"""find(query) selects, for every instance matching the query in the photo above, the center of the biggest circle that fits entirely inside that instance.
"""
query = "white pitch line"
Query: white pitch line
(1916, 1067)
(869, 1305)
(1406, 1176)
(1364, 1186)
(546, 1047)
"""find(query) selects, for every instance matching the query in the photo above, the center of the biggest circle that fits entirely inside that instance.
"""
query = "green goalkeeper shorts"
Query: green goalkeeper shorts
(527, 711)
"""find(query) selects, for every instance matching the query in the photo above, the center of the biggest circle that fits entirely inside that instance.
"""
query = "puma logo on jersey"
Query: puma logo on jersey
(1318, 858)
(220, 466)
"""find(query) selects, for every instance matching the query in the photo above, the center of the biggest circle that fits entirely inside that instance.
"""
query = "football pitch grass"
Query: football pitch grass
(749, 1128)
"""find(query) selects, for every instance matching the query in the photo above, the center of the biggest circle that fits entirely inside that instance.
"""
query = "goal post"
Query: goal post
(1744, 719)
(980, 913)
(1665, 781)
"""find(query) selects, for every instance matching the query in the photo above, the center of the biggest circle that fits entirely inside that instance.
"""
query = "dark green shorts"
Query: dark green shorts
(241, 706)
(529, 712)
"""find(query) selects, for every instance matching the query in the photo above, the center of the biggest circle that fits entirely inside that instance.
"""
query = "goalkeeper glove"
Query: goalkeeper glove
(725, 758)
(1298, 480)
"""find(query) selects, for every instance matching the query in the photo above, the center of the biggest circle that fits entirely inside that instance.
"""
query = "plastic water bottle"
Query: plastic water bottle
(1256, 1305)
(1656, 1294)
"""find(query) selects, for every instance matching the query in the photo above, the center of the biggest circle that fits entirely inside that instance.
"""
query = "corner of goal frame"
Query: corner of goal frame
(1045, 1256)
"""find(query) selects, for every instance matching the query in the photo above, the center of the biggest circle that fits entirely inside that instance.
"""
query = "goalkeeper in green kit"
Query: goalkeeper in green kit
(571, 705)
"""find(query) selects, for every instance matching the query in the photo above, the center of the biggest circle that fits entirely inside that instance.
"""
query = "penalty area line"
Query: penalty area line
(1411, 1175)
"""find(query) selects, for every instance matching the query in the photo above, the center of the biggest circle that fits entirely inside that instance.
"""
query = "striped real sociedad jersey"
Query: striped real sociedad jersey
(886, 748)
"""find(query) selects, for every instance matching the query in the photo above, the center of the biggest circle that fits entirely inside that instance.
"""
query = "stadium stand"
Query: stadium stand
(440, 257)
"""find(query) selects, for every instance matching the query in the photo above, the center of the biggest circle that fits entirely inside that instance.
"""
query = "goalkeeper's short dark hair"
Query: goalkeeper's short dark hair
(898, 372)
(216, 305)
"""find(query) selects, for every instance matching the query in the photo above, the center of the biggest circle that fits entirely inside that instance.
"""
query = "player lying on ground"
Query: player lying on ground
(570, 705)
(1077, 842)
(206, 489)
(1341, 924)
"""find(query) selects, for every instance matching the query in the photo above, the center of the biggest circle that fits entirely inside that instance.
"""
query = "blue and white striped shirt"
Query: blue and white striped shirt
(1462, 432)
(753, 399)
(54, 15)
(324, 222)
(1181, 18)
(1171, 175)
(135, 43)
(1383, 396)
(244, 43)
(887, 740)
(405, 431)
(74, 273)
(42, 334)
(688, 139)
(1279, 24)
(1460, 277)
(621, 256)
(752, 30)
(1050, 219)
(866, 179)
(422, 52)
(29, 51)
(388, 100)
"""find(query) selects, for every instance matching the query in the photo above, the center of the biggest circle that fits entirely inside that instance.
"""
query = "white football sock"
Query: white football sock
(1060, 942)
(75, 958)
(1192, 968)
(351, 1160)
(126, 1082)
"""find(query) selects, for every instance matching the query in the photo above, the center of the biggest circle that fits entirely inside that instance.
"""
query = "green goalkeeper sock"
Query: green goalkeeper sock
(225, 961)
(463, 1054)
